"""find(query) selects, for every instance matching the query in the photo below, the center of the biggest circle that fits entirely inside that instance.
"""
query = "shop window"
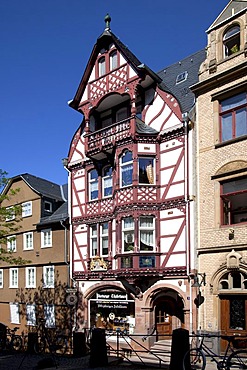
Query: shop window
(146, 233)
(107, 181)
(93, 185)
(126, 169)
(146, 170)
(102, 69)
(128, 234)
(231, 41)
(113, 60)
(233, 117)
(234, 201)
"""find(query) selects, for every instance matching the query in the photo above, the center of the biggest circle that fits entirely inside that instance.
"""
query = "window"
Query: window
(181, 77)
(99, 234)
(122, 114)
(14, 313)
(93, 185)
(231, 41)
(31, 314)
(13, 278)
(146, 170)
(11, 243)
(107, 181)
(48, 206)
(26, 209)
(233, 117)
(48, 276)
(49, 313)
(93, 240)
(113, 60)
(30, 277)
(28, 241)
(146, 233)
(234, 201)
(46, 238)
(102, 69)
(126, 166)
(233, 280)
(1, 278)
(104, 238)
(10, 213)
(128, 234)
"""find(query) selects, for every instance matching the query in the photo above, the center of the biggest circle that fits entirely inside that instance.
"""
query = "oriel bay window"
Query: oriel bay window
(126, 169)
(99, 239)
(233, 117)
(146, 170)
(234, 201)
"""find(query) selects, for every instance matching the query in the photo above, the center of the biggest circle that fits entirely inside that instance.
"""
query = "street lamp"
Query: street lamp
(197, 283)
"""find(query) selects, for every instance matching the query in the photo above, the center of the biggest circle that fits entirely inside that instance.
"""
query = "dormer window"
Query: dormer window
(231, 41)
(102, 69)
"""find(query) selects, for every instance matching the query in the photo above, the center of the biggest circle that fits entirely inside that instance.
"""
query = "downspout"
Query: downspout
(66, 252)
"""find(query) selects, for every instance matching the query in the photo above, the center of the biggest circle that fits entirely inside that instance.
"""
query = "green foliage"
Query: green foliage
(9, 222)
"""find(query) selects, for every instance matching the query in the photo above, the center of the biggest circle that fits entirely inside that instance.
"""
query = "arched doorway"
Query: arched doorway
(169, 313)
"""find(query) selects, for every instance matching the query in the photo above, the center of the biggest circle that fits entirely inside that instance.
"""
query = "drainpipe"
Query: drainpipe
(66, 252)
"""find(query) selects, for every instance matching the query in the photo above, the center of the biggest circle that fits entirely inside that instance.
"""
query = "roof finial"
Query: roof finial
(107, 22)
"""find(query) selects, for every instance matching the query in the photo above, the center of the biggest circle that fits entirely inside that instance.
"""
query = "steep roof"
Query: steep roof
(44, 187)
(187, 68)
(61, 214)
(230, 11)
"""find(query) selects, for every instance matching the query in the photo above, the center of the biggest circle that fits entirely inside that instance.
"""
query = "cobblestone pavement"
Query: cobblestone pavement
(34, 362)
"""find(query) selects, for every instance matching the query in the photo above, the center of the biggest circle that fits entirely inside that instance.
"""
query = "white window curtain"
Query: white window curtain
(31, 314)
(49, 313)
(14, 313)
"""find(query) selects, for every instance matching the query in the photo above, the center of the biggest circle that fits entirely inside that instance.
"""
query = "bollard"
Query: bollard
(98, 351)
(79, 344)
(32, 339)
(180, 345)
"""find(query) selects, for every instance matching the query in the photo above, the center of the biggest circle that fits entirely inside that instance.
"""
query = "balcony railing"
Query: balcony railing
(109, 135)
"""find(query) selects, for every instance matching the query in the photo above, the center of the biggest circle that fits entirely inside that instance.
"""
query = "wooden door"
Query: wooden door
(233, 309)
(163, 323)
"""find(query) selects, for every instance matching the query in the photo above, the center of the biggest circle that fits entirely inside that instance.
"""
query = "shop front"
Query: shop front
(112, 310)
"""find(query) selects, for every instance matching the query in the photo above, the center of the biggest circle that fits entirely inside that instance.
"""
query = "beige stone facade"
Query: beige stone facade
(222, 77)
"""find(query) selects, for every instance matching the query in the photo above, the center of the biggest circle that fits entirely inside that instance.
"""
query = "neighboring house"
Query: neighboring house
(221, 130)
(38, 288)
(132, 214)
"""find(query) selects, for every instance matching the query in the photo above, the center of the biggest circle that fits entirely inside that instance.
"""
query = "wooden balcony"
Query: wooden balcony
(103, 141)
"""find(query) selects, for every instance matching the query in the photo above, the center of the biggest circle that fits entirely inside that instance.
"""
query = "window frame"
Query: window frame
(26, 242)
(227, 198)
(146, 229)
(93, 182)
(227, 40)
(31, 314)
(149, 173)
(47, 281)
(127, 232)
(101, 66)
(27, 209)
(1, 278)
(104, 236)
(93, 240)
(113, 56)
(232, 112)
(11, 215)
(11, 243)
(30, 280)
(123, 165)
(13, 277)
(106, 177)
(43, 234)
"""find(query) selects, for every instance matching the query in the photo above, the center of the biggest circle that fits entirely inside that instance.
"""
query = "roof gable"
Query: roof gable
(233, 8)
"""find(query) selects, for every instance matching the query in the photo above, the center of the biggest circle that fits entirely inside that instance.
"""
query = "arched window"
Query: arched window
(233, 280)
(93, 185)
(231, 41)
(102, 70)
(113, 60)
(126, 169)
(107, 182)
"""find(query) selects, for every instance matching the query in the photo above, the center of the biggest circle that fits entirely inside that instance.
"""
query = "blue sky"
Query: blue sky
(45, 46)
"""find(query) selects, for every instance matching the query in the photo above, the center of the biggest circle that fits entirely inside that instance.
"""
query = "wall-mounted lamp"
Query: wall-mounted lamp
(197, 283)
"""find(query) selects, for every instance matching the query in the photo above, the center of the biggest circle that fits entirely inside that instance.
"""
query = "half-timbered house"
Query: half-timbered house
(129, 169)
